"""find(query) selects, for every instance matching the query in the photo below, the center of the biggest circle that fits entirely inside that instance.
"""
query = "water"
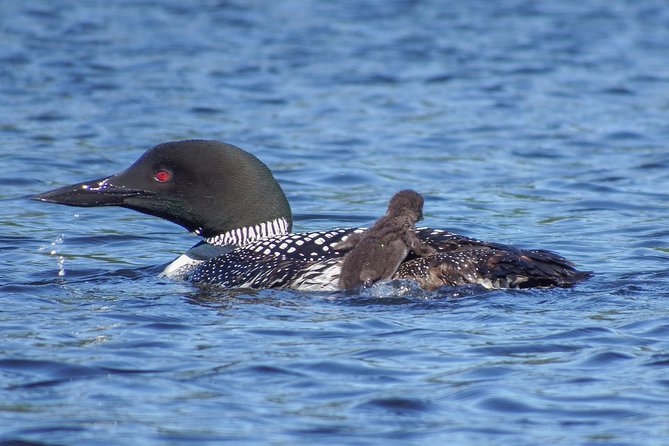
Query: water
(536, 124)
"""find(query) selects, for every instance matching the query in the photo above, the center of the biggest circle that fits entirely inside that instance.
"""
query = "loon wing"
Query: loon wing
(462, 260)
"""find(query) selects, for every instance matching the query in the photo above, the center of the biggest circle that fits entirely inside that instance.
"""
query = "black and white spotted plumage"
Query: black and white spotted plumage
(298, 260)
(308, 261)
(462, 260)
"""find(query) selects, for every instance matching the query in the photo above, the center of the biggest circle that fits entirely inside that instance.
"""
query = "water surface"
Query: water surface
(534, 124)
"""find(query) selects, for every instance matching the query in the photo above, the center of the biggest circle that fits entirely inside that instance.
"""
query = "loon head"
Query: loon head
(408, 203)
(208, 187)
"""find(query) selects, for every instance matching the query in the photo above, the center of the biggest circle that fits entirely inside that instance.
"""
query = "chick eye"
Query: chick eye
(162, 175)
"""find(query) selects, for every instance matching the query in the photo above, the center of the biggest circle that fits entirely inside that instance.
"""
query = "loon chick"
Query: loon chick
(230, 198)
(379, 251)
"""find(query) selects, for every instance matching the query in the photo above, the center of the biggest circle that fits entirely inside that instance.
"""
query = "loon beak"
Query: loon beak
(100, 192)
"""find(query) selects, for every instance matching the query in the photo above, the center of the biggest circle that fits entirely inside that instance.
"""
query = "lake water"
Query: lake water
(537, 124)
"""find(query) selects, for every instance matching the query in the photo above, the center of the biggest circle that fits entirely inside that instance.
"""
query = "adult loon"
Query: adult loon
(229, 197)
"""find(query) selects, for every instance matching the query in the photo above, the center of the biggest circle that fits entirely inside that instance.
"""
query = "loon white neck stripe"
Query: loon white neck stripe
(248, 234)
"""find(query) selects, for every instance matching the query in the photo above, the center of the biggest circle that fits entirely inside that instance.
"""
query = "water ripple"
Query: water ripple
(534, 124)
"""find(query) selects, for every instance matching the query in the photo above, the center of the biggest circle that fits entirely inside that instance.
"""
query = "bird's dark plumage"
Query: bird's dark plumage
(379, 251)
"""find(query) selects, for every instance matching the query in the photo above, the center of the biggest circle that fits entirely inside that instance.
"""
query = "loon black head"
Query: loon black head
(208, 187)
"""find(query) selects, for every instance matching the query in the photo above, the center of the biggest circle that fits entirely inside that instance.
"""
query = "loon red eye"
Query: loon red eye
(162, 175)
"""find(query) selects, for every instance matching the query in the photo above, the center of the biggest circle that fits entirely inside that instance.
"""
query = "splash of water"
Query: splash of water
(53, 250)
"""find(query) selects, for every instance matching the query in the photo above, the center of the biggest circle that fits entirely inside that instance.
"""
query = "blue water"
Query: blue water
(538, 124)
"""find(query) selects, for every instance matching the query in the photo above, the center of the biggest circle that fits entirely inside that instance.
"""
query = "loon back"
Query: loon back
(230, 198)
(312, 261)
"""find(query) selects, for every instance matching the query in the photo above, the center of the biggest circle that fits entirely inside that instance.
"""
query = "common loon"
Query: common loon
(229, 197)
(378, 252)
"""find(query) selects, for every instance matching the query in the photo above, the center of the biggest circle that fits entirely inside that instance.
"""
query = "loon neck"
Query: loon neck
(248, 234)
